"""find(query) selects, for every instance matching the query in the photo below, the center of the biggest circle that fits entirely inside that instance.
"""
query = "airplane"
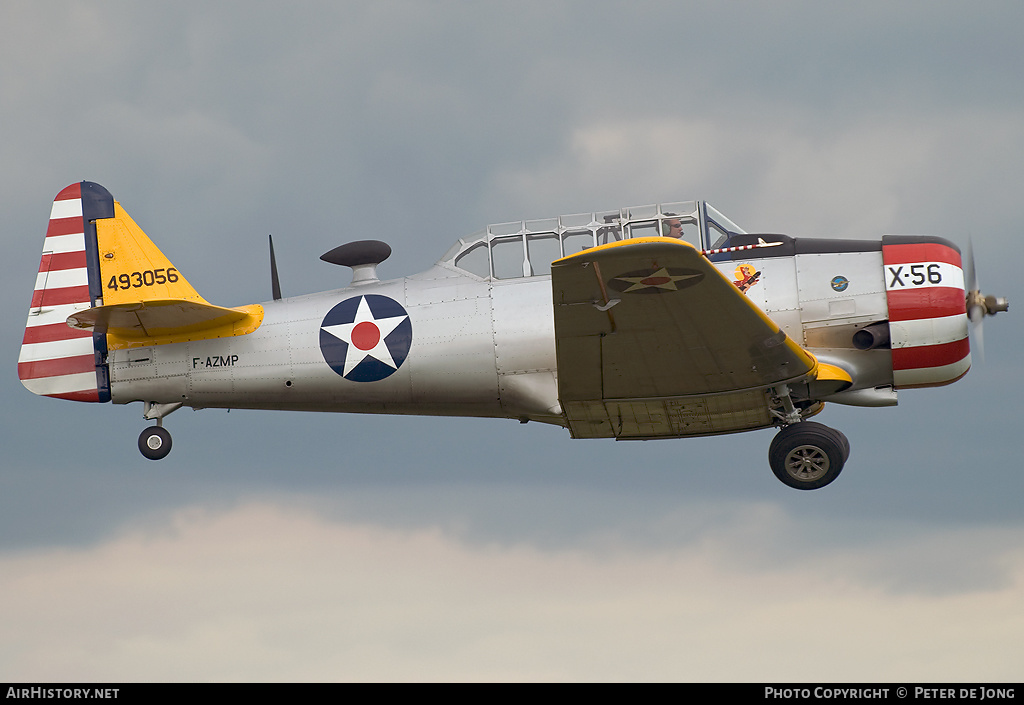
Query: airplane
(662, 321)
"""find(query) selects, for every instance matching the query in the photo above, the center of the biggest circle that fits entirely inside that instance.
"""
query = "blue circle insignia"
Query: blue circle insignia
(366, 338)
(839, 283)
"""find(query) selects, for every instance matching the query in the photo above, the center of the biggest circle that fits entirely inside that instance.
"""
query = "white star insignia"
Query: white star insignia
(660, 279)
(365, 336)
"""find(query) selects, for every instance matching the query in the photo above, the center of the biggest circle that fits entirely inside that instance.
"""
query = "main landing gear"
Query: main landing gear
(808, 455)
(155, 441)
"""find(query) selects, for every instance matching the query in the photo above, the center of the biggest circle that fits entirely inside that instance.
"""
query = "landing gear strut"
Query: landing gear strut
(808, 455)
(155, 441)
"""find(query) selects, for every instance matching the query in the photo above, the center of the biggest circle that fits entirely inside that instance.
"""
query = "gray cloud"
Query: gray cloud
(307, 599)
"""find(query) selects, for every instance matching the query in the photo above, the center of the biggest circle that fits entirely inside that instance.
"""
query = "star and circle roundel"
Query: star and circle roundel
(366, 338)
(656, 281)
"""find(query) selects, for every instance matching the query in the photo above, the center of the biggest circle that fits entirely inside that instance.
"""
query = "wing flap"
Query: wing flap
(651, 332)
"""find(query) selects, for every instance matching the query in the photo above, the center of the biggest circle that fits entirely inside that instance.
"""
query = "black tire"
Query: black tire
(844, 441)
(808, 455)
(155, 443)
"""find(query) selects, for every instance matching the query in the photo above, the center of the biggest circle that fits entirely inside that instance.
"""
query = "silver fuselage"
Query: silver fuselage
(479, 347)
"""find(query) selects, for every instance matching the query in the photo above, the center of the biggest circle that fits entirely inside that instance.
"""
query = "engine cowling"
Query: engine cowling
(924, 285)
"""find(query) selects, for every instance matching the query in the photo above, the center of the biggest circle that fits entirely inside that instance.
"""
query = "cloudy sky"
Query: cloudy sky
(286, 546)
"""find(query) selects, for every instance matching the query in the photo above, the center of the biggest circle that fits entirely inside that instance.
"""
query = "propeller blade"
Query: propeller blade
(975, 309)
(976, 313)
(972, 277)
(979, 305)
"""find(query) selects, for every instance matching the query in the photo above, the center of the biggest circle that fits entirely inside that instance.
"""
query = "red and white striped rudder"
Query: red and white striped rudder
(57, 360)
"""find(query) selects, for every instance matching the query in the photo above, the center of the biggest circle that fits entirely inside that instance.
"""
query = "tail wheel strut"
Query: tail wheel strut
(155, 441)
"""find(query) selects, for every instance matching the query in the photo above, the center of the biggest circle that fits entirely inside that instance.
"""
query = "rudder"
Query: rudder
(55, 359)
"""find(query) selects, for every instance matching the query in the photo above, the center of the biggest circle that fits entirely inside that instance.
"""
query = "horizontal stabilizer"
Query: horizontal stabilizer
(146, 300)
(167, 317)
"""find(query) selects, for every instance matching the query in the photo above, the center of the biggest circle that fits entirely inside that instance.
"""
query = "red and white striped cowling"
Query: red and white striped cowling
(924, 284)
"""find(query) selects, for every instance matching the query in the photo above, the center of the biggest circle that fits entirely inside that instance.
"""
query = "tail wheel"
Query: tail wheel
(808, 455)
(155, 442)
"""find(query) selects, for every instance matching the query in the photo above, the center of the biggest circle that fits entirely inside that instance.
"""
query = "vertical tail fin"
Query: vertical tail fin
(103, 285)
(57, 360)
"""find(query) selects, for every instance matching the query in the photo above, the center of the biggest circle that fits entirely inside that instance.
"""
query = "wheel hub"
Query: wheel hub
(807, 463)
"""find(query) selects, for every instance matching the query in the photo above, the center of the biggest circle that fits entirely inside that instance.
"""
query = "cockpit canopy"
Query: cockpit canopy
(525, 248)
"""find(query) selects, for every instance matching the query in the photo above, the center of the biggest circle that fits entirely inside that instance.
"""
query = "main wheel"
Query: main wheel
(844, 441)
(808, 455)
(155, 443)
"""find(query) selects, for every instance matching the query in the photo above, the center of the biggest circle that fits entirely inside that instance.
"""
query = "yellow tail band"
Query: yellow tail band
(146, 300)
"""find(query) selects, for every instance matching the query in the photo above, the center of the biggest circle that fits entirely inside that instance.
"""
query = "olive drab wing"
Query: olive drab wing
(653, 341)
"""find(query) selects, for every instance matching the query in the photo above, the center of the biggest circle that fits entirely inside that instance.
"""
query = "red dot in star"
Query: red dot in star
(365, 336)
(654, 281)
